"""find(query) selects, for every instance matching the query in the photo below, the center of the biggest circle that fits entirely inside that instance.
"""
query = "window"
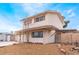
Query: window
(37, 20)
(37, 34)
(41, 18)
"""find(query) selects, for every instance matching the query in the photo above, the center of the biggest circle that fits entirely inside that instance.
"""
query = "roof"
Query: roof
(46, 12)
(47, 27)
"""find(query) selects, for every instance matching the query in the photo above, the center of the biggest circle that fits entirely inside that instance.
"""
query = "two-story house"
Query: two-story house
(40, 28)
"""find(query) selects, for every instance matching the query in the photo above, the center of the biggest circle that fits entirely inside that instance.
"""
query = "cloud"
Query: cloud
(5, 25)
(32, 9)
(70, 13)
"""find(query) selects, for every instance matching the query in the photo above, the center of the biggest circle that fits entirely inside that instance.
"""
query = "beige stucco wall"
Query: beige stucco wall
(35, 40)
(17, 38)
(25, 26)
(46, 37)
(51, 36)
(38, 24)
(53, 19)
(21, 37)
(25, 38)
(50, 19)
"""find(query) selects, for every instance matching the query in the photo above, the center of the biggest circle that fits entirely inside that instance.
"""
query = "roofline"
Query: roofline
(38, 28)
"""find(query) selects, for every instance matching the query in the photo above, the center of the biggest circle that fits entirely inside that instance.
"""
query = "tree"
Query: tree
(66, 24)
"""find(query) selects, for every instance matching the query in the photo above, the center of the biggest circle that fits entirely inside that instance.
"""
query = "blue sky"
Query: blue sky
(11, 14)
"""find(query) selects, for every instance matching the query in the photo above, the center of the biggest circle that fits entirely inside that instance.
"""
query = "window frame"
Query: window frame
(40, 18)
(39, 34)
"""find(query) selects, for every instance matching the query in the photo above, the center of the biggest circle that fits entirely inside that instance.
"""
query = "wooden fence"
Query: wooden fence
(69, 37)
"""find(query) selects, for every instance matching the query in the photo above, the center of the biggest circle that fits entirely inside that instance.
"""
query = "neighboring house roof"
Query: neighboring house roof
(5, 33)
(67, 30)
(44, 13)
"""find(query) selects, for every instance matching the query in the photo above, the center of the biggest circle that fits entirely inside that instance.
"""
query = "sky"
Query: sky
(12, 13)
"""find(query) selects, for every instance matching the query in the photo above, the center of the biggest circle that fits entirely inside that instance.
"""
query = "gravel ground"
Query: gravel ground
(33, 49)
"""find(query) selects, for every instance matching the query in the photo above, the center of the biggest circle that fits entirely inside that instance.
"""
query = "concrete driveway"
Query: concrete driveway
(7, 43)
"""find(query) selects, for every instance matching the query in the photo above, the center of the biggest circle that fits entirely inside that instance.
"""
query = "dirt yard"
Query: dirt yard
(33, 49)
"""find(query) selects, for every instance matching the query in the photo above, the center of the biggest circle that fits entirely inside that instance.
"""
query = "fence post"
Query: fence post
(71, 38)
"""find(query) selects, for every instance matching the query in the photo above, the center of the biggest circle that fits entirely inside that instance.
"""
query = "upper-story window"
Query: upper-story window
(41, 18)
